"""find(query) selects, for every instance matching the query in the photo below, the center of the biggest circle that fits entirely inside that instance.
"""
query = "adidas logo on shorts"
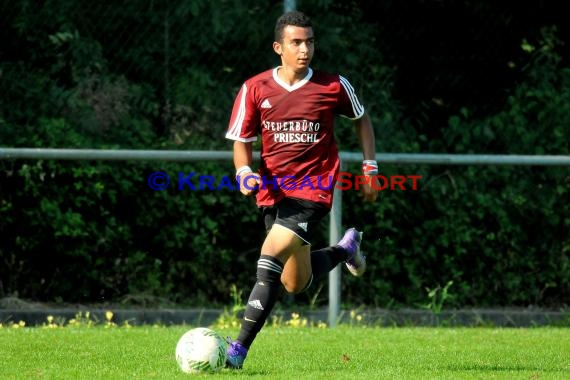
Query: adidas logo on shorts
(303, 225)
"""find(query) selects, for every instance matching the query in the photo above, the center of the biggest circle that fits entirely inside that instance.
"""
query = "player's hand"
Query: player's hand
(369, 189)
(249, 183)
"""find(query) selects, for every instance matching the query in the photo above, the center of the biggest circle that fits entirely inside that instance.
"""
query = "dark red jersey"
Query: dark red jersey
(299, 156)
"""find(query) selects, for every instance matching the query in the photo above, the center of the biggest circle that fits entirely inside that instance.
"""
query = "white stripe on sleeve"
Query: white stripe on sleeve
(235, 129)
(357, 108)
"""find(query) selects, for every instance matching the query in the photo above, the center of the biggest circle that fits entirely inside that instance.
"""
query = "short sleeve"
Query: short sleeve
(244, 121)
(350, 106)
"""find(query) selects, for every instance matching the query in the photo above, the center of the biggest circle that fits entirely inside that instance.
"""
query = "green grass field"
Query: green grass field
(147, 352)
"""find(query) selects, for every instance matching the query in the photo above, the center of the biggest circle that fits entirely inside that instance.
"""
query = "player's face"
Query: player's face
(297, 47)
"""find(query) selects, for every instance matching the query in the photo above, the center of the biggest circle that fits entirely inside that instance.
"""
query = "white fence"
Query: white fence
(336, 214)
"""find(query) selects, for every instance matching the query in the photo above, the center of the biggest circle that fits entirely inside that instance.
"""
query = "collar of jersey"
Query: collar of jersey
(296, 85)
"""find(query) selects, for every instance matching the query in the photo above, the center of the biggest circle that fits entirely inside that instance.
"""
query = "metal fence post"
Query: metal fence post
(335, 226)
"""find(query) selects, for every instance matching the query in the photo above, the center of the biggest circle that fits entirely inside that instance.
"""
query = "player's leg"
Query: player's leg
(303, 218)
(286, 259)
(304, 266)
(280, 243)
(324, 260)
(278, 246)
(297, 273)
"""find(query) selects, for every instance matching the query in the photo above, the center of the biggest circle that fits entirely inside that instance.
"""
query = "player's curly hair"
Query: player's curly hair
(294, 18)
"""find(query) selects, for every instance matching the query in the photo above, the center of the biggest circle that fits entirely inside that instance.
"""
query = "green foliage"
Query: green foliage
(231, 317)
(437, 297)
(501, 233)
(163, 75)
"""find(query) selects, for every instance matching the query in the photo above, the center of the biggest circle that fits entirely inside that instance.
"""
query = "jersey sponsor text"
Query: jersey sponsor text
(292, 126)
(296, 137)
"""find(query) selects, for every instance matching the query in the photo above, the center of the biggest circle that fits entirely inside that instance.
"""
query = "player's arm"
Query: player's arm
(243, 158)
(242, 129)
(365, 133)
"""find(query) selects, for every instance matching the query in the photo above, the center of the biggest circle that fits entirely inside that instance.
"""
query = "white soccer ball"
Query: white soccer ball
(201, 350)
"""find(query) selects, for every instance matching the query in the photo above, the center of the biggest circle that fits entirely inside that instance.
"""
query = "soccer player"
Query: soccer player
(293, 108)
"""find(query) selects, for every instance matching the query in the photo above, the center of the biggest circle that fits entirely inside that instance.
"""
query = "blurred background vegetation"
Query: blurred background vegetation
(437, 76)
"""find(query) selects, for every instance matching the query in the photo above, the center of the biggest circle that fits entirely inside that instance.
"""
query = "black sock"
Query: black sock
(326, 259)
(261, 299)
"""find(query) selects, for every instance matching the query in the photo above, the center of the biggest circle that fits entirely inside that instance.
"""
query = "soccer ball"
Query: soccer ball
(201, 350)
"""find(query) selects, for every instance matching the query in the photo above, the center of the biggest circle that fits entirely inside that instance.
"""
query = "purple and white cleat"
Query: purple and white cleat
(356, 262)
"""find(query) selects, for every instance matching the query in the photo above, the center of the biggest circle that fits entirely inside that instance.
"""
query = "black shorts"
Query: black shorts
(298, 215)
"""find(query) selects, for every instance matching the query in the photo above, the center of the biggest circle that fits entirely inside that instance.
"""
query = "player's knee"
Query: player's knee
(292, 287)
(296, 287)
